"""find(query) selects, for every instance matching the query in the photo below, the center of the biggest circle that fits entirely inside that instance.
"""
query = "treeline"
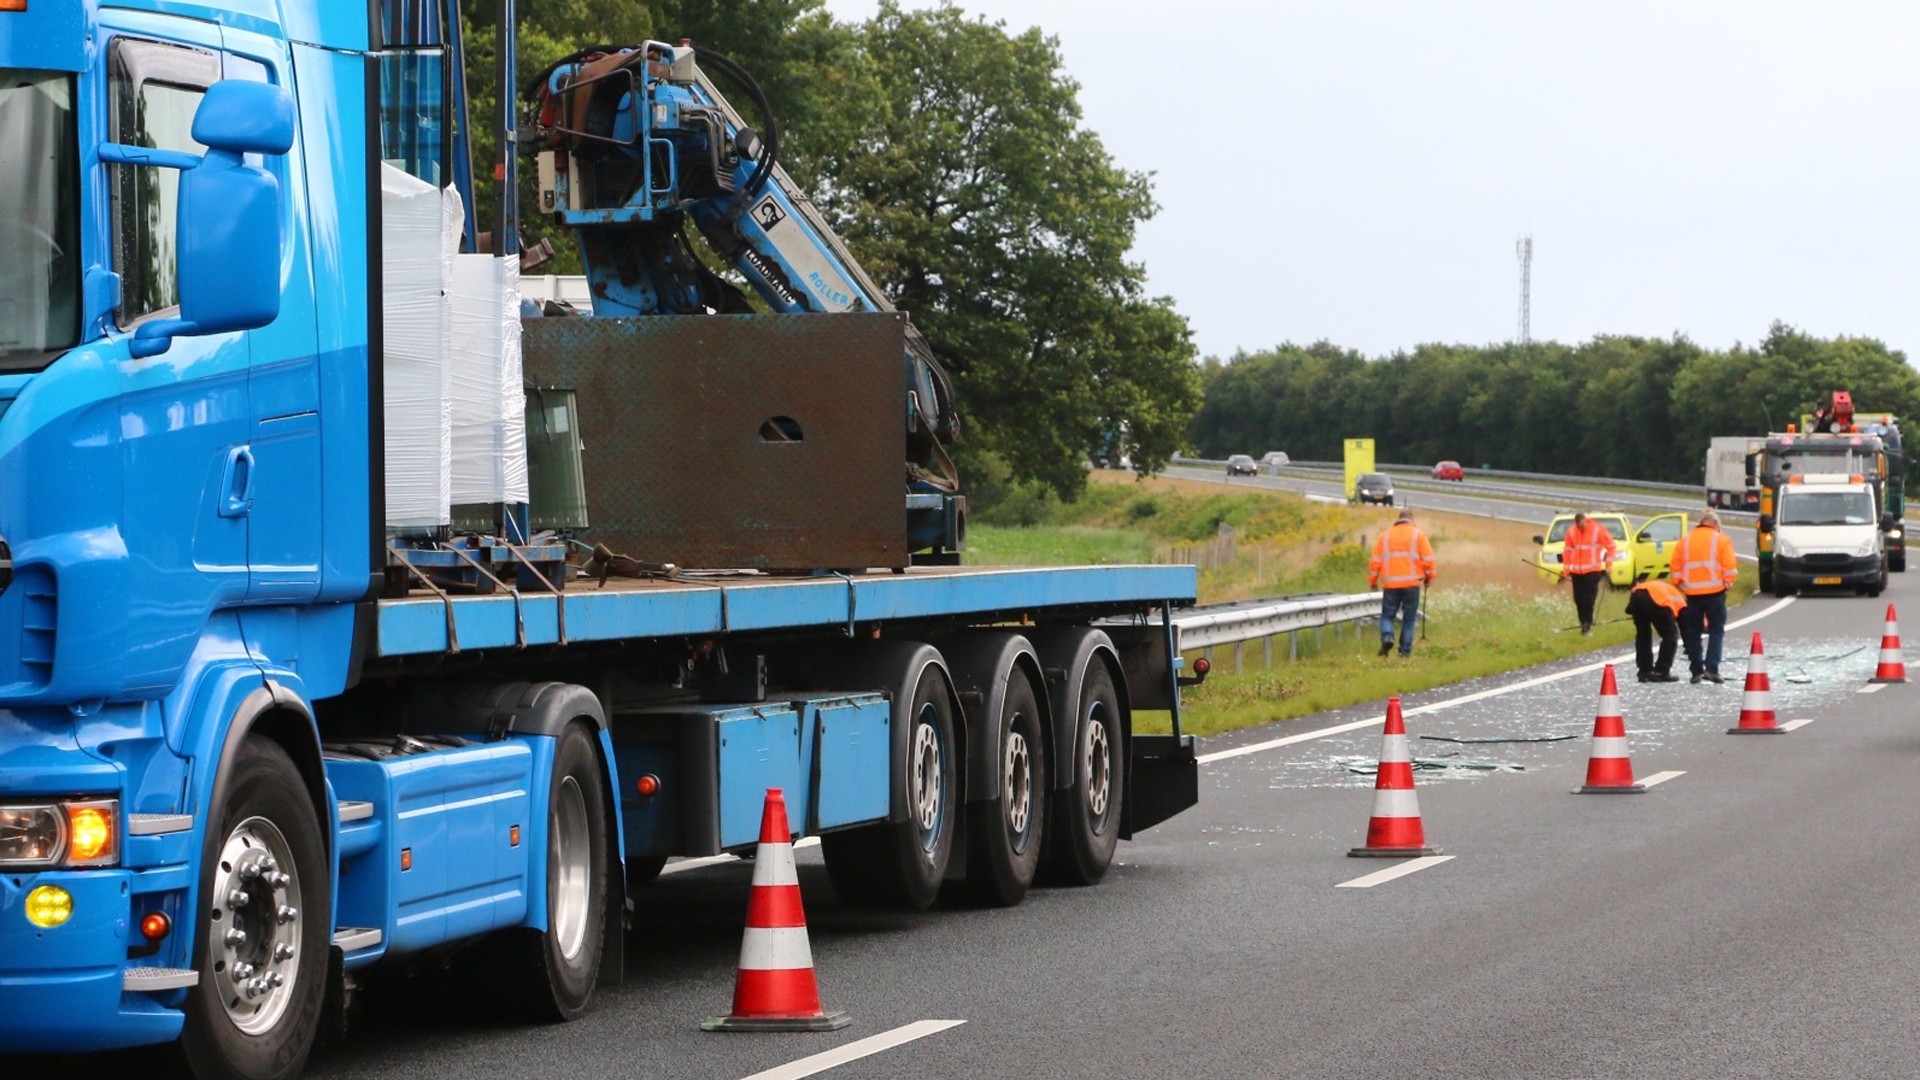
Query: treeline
(950, 153)
(1631, 407)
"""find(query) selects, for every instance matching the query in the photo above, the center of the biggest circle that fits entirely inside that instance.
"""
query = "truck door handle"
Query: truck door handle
(237, 486)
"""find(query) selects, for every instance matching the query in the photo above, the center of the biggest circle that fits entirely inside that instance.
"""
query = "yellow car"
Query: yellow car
(1638, 554)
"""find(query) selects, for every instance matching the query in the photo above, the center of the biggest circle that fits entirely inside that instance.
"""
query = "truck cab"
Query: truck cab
(1828, 533)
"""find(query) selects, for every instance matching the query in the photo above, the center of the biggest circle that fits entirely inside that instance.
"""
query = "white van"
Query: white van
(1827, 534)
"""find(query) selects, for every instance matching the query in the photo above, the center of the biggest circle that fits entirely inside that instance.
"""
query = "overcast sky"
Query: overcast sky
(1359, 170)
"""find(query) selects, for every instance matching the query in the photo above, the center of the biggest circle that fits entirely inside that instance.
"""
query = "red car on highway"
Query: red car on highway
(1449, 470)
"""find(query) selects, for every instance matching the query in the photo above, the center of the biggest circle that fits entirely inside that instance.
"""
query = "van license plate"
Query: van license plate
(1826, 581)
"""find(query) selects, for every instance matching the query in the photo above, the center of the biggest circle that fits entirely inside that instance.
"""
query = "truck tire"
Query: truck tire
(549, 975)
(1880, 584)
(1897, 561)
(900, 864)
(261, 946)
(1766, 581)
(1084, 825)
(1005, 833)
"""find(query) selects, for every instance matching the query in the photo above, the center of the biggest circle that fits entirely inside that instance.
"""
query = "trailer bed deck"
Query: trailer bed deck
(629, 608)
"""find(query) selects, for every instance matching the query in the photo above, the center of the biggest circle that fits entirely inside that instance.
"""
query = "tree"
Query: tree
(955, 163)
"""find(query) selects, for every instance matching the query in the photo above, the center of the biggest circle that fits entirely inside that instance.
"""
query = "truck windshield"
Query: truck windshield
(1827, 508)
(39, 219)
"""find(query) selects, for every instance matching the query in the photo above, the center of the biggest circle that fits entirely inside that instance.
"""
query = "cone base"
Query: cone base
(1756, 731)
(1889, 679)
(826, 1021)
(1392, 852)
(1612, 789)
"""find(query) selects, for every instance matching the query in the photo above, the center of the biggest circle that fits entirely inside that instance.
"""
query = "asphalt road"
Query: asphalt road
(1749, 917)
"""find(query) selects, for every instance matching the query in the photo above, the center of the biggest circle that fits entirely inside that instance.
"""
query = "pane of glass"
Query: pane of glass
(413, 113)
(146, 198)
(39, 217)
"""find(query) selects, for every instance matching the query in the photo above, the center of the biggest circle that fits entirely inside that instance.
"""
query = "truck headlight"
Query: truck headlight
(1893, 534)
(1866, 547)
(1785, 548)
(77, 833)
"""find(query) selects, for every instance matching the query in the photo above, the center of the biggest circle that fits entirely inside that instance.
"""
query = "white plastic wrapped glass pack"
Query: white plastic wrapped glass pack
(489, 395)
(416, 262)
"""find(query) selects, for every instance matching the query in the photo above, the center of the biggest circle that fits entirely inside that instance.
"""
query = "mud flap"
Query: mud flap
(1163, 779)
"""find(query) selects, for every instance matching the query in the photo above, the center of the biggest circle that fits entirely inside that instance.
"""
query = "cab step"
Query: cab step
(350, 939)
(149, 979)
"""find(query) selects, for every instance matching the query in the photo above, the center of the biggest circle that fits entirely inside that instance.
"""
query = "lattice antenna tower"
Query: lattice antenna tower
(1523, 249)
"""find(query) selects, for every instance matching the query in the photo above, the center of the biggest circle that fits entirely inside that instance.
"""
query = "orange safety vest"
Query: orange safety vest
(1703, 563)
(1664, 594)
(1588, 550)
(1402, 558)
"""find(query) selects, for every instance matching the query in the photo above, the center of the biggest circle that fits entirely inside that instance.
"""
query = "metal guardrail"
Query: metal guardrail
(1205, 628)
(1508, 474)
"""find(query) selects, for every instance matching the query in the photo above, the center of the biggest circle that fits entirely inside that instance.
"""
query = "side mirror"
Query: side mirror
(1539, 540)
(1766, 522)
(229, 217)
(1887, 521)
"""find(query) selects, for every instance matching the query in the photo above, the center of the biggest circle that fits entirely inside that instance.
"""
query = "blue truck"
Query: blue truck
(289, 702)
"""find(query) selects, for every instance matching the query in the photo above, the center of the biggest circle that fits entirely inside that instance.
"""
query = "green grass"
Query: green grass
(1063, 545)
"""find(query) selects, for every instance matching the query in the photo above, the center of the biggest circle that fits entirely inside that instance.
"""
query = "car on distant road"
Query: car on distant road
(1241, 465)
(1639, 554)
(1449, 470)
(1373, 487)
(1275, 460)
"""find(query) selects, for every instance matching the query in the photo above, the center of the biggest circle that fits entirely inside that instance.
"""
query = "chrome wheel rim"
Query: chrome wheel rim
(1097, 755)
(254, 923)
(1016, 786)
(925, 777)
(569, 868)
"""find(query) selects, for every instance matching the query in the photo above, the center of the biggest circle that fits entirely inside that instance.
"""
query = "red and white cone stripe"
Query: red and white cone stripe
(1395, 829)
(1892, 668)
(1609, 769)
(774, 988)
(1756, 698)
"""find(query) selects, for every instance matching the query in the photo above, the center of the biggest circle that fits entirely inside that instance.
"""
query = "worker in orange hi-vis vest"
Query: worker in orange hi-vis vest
(1703, 567)
(1655, 606)
(1584, 561)
(1401, 566)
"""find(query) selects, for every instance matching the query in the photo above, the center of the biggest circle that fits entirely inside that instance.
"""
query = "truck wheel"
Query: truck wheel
(1880, 584)
(549, 975)
(1085, 823)
(1766, 581)
(900, 864)
(1897, 561)
(1005, 833)
(261, 948)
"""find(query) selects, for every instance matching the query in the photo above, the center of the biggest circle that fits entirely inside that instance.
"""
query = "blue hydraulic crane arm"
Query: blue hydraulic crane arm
(636, 143)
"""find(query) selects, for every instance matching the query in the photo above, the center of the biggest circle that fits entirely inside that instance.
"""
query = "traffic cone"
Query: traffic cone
(1609, 770)
(775, 989)
(1892, 668)
(1394, 830)
(1756, 702)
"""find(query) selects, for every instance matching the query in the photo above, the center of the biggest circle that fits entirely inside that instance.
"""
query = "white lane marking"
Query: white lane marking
(1481, 695)
(1660, 777)
(1871, 688)
(854, 1051)
(716, 860)
(1795, 725)
(1380, 877)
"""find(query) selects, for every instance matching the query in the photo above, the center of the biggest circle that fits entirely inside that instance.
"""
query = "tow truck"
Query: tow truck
(1835, 440)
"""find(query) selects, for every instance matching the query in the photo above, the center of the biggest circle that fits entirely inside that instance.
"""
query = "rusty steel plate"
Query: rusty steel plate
(771, 442)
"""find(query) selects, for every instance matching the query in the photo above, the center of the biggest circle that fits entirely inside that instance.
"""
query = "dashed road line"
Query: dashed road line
(1871, 688)
(1795, 725)
(1661, 777)
(1481, 695)
(1381, 877)
(854, 1051)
